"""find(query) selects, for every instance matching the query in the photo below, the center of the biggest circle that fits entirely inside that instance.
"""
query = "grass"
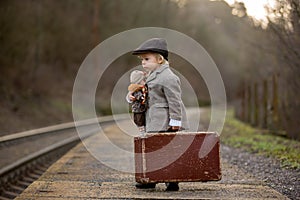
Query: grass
(241, 135)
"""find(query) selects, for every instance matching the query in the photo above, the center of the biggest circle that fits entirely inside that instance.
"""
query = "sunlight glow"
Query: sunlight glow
(256, 9)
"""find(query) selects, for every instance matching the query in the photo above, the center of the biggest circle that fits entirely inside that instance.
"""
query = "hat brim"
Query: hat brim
(152, 50)
(137, 52)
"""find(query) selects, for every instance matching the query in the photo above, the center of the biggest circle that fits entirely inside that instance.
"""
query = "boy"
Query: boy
(166, 112)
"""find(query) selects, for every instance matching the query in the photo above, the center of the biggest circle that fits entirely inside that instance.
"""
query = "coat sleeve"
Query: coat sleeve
(172, 91)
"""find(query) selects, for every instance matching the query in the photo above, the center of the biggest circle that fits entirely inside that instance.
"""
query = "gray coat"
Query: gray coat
(164, 99)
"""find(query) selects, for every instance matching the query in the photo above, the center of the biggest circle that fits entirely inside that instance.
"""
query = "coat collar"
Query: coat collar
(157, 71)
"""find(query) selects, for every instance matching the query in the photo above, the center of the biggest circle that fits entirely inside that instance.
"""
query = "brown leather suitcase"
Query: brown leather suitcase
(177, 157)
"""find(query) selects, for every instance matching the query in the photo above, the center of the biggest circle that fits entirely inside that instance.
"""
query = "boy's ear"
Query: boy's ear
(160, 59)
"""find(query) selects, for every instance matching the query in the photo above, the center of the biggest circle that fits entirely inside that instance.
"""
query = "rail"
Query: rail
(12, 173)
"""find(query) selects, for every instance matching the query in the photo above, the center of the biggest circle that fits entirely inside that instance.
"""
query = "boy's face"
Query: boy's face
(150, 61)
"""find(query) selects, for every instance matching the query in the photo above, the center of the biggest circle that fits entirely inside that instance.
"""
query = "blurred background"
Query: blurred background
(255, 46)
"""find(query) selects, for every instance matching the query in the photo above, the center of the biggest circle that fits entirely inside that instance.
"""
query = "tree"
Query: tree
(284, 25)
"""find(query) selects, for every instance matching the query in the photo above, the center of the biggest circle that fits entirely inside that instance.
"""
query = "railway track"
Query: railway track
(26, 156)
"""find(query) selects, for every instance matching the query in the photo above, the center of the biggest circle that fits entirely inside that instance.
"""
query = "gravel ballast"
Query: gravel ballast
(284, 180)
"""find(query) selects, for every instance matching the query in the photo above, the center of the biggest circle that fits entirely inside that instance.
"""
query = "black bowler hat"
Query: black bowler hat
(154, 45)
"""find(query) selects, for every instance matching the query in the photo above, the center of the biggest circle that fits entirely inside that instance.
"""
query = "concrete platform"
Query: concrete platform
(79, 175)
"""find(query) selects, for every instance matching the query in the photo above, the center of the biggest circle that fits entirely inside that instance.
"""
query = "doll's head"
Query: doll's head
(137, 77)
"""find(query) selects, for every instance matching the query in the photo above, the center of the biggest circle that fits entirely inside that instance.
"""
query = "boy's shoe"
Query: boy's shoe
(172, 186)
(145, 186)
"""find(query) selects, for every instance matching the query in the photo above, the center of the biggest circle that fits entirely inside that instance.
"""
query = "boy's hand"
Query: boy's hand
(174, 128)
(132, 98)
